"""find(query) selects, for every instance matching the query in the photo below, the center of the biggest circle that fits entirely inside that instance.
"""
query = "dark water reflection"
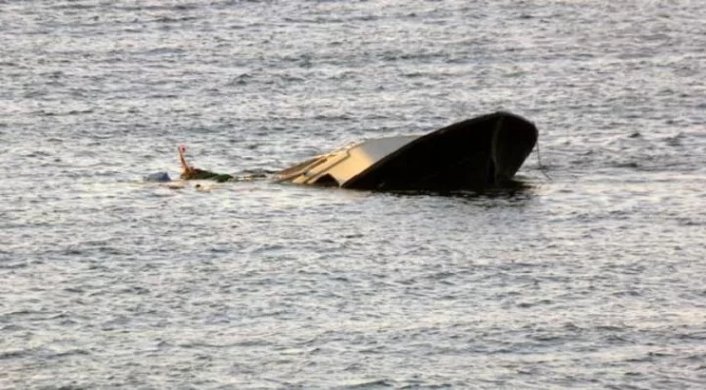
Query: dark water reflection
(515, 192)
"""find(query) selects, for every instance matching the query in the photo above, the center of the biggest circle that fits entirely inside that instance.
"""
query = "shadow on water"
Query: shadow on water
(511, 190)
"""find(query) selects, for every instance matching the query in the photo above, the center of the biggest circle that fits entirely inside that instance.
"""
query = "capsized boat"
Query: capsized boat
(474, 154)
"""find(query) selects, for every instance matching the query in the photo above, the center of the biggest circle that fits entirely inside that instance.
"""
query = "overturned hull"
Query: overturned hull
(474, 154)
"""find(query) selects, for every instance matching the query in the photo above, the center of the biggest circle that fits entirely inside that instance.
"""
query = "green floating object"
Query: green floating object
(200, 174)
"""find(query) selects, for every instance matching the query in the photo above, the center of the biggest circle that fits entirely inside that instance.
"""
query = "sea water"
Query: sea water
(593, 276)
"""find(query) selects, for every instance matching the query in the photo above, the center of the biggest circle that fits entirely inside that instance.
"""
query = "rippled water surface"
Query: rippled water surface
(591, 277)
